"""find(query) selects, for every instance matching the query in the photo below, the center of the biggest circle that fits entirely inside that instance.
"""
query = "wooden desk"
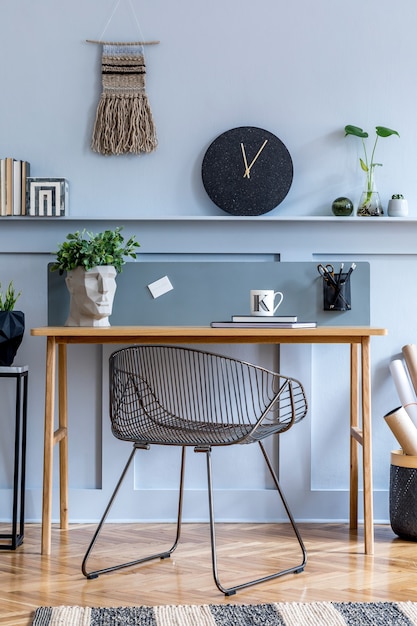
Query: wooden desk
(360, 373)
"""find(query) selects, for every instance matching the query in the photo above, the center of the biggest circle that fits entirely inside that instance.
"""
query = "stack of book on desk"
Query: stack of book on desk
(264, 321)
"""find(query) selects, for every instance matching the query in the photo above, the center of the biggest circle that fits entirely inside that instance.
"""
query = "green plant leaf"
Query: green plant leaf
(88, 250)
(8, 300)
(356, 131)
(364, 166)
(382, 131)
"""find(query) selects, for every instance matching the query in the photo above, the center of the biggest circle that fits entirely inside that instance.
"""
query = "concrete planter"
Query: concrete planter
(91, 295)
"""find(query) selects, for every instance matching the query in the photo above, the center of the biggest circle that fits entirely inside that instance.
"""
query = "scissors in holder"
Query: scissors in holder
(326, 271)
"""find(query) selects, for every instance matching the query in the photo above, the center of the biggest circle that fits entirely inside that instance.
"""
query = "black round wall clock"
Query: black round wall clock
(247, 171)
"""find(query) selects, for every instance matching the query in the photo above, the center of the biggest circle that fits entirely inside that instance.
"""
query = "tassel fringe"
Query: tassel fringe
(124, 125)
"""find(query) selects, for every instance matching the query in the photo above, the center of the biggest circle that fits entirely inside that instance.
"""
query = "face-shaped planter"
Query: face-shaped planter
(91, 295)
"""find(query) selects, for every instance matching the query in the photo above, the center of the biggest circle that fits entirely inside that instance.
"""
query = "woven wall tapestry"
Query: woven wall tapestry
(124, 122)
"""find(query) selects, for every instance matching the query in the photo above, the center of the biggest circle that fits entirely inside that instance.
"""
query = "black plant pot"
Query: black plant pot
(12, 328)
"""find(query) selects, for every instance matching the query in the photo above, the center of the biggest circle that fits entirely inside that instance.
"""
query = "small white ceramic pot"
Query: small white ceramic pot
(398, 207)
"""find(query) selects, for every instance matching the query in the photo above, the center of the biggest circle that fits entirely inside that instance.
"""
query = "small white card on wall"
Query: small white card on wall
(160, 287)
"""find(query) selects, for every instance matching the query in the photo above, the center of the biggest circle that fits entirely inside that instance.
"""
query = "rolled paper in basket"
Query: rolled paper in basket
(404, 430)
(410, 356)
(404, 388)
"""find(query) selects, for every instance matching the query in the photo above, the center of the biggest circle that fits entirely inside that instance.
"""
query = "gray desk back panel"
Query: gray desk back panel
(206, 291)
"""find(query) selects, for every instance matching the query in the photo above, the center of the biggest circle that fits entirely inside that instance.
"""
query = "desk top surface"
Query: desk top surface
(206, 334)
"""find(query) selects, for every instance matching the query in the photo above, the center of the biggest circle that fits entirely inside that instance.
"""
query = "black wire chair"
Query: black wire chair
(167, 395)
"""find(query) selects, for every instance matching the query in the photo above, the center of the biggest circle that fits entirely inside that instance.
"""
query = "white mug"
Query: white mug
(262, 301)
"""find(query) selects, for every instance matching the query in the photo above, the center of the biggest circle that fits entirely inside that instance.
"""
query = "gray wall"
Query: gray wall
(219, 65)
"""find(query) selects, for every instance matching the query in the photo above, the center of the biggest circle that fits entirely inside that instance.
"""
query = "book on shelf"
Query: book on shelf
(262, 319)
(13, 175)
(2, 187)
(266, 325)
(25, 175)
(17, 188)
(9, 186)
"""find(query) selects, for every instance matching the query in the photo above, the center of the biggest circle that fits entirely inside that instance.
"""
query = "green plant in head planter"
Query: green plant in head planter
(86, 250)
(91, 263)
(368, 165)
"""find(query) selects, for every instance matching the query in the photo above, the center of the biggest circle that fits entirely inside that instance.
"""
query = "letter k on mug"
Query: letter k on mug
(262, 301)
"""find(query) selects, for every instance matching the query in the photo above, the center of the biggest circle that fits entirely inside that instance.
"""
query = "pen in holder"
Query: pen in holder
(336, 288)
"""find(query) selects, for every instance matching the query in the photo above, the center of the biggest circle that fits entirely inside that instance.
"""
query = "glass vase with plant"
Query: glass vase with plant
(370, 204)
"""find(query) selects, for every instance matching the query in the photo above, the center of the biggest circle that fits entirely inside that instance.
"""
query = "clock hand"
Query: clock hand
(245, 161)
(248, 169)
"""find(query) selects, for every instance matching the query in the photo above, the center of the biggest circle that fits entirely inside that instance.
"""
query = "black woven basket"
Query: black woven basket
(403, 501)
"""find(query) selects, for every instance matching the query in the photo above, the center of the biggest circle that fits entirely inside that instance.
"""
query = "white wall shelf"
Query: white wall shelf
(213, 218)
(294, 238)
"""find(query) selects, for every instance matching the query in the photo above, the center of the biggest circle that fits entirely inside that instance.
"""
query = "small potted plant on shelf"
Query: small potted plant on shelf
(398, 206)
(12, 325)
(370, 203)
(91, 262)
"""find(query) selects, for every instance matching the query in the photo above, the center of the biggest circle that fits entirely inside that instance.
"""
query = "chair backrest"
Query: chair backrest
(178, 395)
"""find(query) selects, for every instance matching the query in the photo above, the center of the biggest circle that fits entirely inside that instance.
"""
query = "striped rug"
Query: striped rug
(275, 614)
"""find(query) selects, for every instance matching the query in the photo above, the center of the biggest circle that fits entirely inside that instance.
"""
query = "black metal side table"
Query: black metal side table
(15, 538)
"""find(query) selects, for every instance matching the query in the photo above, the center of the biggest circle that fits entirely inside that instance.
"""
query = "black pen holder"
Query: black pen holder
(336, 293)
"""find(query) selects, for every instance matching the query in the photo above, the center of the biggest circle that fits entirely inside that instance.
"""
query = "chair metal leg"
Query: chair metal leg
(228, 591)
(160, 555)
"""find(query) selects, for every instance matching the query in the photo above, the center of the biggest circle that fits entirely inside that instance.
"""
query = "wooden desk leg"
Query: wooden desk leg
(354, 426)
(63, 441)
(48, 450)
(367, 447)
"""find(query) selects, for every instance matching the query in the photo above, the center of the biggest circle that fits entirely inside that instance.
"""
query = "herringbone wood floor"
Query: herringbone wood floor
(336, 569)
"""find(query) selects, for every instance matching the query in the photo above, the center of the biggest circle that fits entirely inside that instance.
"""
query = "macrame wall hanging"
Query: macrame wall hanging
(124, 122)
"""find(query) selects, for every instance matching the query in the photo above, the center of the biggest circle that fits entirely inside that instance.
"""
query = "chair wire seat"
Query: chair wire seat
(177, 396)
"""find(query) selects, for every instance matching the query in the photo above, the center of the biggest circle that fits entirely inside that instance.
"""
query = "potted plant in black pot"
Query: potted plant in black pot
(12, 325)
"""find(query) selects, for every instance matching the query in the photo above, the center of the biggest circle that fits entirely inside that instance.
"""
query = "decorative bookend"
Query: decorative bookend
(47, 197)
(124, 122)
